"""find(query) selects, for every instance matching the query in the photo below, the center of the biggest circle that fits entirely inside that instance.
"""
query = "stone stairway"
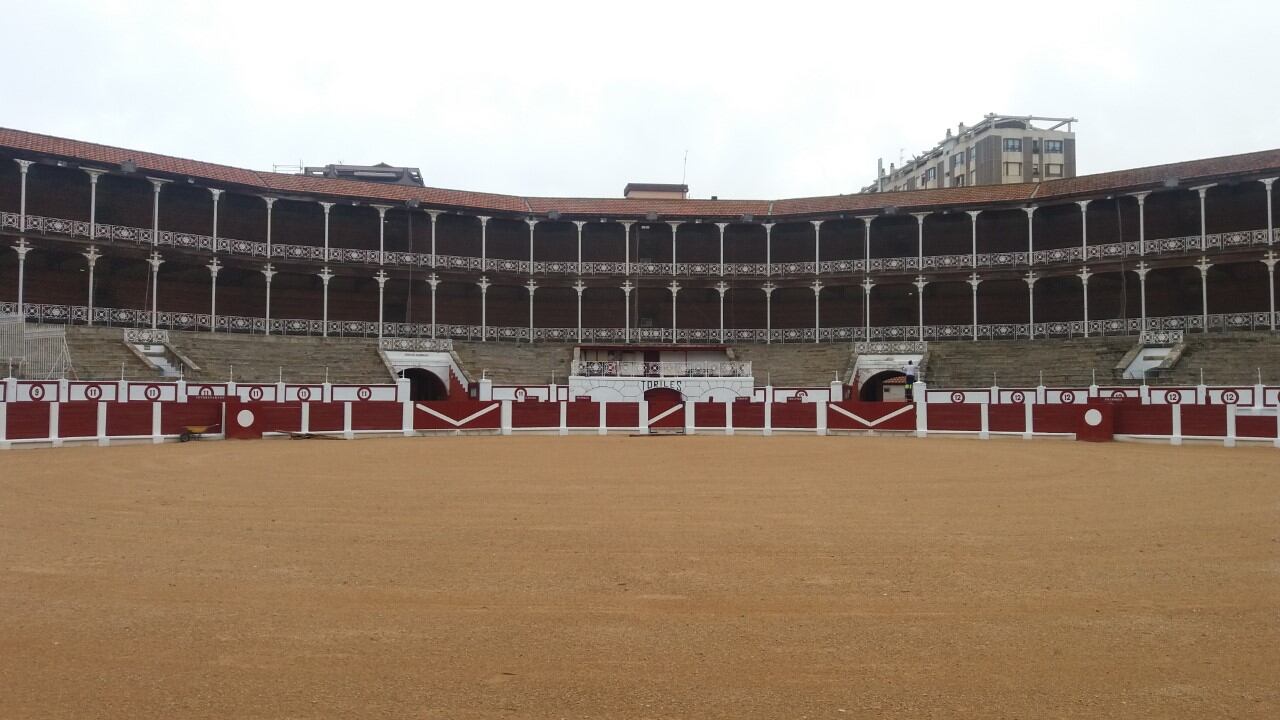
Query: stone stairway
(99, 353)
(797, 365)
(258, 358)
(1228, 359)
(1019, 363)
(515, 364)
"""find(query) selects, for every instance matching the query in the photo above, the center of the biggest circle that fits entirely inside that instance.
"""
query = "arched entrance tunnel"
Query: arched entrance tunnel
(873, 389)
(424, 385)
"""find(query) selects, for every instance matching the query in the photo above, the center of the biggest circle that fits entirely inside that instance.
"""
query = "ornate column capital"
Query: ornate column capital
(816, 223)
(94, 174)
(1031, 277)
(155, 261)
(722, 226)
(580, 287)
(674, 287)
(433, 214)
(531, 286)
(158, 183)
(974, 280)
(1267, 182)
(1085, 274)
(216, 193)
(973, 214)
(326, 206)
(920, 216)
(433, 280)
(325, 274)
(817, 286)
(23, 165)
(22, 248)
(268, 271)
(627, 287)
(531, 221)
(1083, 204)
(920, 282)
(92, 255)
(1203, 265)
(1142, 268)
(382, 209)
(768, 289)
(1270, 260)
(484, 219)
(269, 201)
(1030, 210)
(1141, 196)
(867, 284)
(580, 223)
(675, 224)
(1202, 189)
(214, 267)
(382, 277)
(484, 284)
(721, 287)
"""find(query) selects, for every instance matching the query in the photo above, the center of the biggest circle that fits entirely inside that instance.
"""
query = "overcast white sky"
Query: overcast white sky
(771, 100)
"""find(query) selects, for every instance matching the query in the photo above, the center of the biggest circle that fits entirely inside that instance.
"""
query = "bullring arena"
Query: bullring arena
(292, 446)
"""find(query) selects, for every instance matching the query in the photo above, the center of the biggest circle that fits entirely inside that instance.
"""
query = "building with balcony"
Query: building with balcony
(1001, 149)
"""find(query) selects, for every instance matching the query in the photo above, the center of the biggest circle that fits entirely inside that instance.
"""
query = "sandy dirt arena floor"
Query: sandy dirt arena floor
(587, 577)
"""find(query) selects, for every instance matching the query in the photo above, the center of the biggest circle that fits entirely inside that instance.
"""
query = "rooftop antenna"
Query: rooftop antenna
(280, 373)
(684, 168)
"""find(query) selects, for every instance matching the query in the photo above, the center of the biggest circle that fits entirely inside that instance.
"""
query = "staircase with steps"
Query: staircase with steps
(258, 358)
(796, 365)
(1020, 363)
(1228, 359)
(515, 364)
(99, 353)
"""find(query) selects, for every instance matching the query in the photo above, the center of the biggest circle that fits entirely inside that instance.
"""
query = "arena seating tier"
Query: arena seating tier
(797, 365)
(1228, 359)
(258, 358)
(99, 353)
(1019, 363)
(515, 364)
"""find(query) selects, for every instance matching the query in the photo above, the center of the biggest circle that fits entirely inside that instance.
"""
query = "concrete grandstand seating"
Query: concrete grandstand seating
(797, 365)
(515, 364)
(99, 353)
(258, 358)
(1019, 363)
(1228, 359)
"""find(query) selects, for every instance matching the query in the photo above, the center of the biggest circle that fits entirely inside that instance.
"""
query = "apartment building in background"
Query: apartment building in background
(999, 149)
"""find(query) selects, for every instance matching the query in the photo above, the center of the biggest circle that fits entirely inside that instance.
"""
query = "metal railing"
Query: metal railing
(639, 368)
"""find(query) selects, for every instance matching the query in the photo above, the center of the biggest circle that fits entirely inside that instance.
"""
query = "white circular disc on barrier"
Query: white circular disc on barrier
(244, 418)
(1093, 418)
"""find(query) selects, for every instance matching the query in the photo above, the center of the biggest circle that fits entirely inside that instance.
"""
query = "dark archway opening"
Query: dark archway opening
(663, 395)
(424, 386)
(873, 389)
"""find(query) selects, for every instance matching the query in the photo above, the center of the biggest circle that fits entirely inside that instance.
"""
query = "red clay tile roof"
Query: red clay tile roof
(1188, 173)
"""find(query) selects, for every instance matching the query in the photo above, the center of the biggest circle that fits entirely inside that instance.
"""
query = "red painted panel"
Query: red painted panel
(581, 414)
(534, 414)
(1053, 418)
(748, 415)
(175, 417)
(1104, 417)
(1255, 426)
(622, 415)
(325, 416)
(871, 416)
(377, 415)
(28, 420)
(78, 419)
(279, 417)
(1007, 418)
(955, 416)
(1143, 419)
(674, 420)
(795, 415)
(457, 412)
(1209, 420)
(131, 418)
(708, 414)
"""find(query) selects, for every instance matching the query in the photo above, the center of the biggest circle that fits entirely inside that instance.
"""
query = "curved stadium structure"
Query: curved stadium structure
(1185, 246)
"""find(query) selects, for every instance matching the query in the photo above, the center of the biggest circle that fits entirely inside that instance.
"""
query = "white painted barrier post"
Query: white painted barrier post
(1175, 436)
(1028, 420)
(768, 413)
(346, 421)
(280, 393)
(643, 428)
(728, 418)
(4, 425)
(304, 425)
(53, 425)
(180, 387)
(984, 433)
(326, 391)
(920, 393)
(402, 389)
(564, 417)
(103, 440)
(690, 427)
(156, 437)
(122, 391)
(504, 413)
(1230, 439)
(406, 418)
(822, 419)
(604, 419)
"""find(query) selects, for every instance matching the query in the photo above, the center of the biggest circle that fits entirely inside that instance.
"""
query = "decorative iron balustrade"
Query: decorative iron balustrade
(400, 258)
(130, 318)
(905, 347)
(1160, 338)
(146, 336)
(415, 344)
(639, 368)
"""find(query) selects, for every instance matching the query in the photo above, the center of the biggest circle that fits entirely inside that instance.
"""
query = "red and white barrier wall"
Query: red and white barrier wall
(60, 412)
